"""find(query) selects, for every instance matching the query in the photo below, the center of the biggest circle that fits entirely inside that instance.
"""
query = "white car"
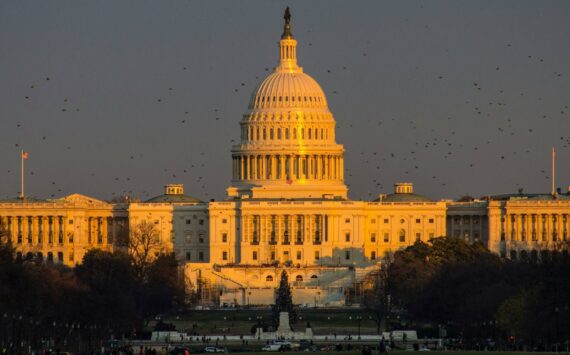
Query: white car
(271, 347)
(213, 349)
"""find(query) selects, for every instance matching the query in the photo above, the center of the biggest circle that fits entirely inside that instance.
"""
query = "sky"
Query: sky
(122, 97)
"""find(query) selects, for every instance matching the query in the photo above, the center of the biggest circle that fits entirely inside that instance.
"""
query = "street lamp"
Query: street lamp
(259, 318)
(359, 319)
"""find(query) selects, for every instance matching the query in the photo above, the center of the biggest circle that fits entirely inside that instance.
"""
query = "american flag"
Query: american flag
(24, 155)
(289, 181)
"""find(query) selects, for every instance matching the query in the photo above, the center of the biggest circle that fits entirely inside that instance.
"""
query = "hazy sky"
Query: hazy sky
(456, 96)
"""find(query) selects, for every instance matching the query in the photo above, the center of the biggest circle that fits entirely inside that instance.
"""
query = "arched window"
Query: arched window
(314, 277)
(302, 133)
(269, 278)
(278, 133)
(316, 133)
(257, 135)
(286, 133)
(299, 278)
(264, 133)
(309, 133)
(402, 236)
(271, 133)
(294, 133)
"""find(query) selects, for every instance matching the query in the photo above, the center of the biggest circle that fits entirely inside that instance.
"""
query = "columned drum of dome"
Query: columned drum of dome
(287, 147)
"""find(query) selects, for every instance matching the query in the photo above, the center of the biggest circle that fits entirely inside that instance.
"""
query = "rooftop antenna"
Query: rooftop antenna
(553, 170)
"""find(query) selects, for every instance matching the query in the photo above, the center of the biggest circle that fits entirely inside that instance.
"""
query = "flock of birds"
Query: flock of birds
(366, 166)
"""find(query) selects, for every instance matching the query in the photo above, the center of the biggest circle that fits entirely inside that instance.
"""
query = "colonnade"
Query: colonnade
(536, 227)
(285, 229)
(472, 226)
(42, 233)
(288, 167)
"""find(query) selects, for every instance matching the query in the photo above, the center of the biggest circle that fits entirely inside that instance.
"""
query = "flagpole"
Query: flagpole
(22, 158)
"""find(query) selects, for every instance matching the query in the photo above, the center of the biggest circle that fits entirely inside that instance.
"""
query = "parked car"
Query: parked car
(272, 347)
(213, 349)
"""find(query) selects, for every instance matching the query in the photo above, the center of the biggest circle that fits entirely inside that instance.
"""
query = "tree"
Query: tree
(284, 300)
(143, 246)
(377, 297)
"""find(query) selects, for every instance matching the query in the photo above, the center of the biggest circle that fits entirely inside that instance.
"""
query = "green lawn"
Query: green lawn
(240, 321)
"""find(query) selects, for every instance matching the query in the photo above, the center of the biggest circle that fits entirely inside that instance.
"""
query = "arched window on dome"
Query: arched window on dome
(294, 133)
(309, 130)
(293, 98)
(279, 133)
(264, 133)
(302, 133)
(299, 278)
(257, 134)
(269, 278)
(322, 133)
(286, 133)
(271, 133)
(305, 98)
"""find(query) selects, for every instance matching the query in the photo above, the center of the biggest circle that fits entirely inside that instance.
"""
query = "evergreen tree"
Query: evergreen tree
(283, 300)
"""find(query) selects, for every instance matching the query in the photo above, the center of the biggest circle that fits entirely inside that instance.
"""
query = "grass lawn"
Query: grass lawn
(236, 322)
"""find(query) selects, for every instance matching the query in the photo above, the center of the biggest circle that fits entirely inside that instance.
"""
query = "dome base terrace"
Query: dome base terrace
(297, 189)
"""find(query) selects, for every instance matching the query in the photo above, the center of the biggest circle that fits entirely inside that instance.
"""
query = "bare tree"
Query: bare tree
(377, 298)
(144, 245)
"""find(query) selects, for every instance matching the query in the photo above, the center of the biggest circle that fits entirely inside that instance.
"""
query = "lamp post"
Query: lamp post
(259, 327)
(359, 319)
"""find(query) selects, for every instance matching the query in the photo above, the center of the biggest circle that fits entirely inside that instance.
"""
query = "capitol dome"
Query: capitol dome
(287, 146)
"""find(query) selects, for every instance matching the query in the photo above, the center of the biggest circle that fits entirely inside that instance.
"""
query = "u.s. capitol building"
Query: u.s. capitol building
(287, 208)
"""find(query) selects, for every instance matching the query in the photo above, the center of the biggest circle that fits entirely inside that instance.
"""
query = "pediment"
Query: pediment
(84, 200)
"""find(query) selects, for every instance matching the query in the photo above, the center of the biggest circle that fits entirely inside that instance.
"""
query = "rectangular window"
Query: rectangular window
(418, 220)
(386, 237)
(224, 237)
(201, 238)
(347, 237)
(373, 221)
(347, 255)
(299, 255)
(317, 255)
(225, 255)
(254, 255)
(418, 237)
(286, 255)
(431, 235)
(386, 221)
(188, 255)
(201, 222)
(224, 221)
(71, 238)
(373, 255)
(201, 256)
(188, 237)
(272, 255)
(347, 220)
(70, 221)
(156, 221)
(188, 221)
(373, 237)
(431, 220)
(60, 257)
